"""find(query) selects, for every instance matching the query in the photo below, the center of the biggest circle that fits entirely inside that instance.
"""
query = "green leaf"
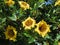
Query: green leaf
(0, 10)
(55, 43)
(44, 43)
(31, 40)
(47, 37)
(41, 1)
(2, 20)
(27, 35)
(13, 17)
(58, 37)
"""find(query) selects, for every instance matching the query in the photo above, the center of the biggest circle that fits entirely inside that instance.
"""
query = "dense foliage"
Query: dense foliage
(14, 32)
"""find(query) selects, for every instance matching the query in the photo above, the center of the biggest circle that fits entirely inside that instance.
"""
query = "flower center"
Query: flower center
(42, 28)
(23, 3)
(28, 22)
(11, 33)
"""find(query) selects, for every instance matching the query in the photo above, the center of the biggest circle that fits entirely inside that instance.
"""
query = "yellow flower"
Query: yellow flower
(10, 33)
(58, 43)
(29, 23)
(9, 2)
(42, 28)
(24, 5)
(57, 2)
